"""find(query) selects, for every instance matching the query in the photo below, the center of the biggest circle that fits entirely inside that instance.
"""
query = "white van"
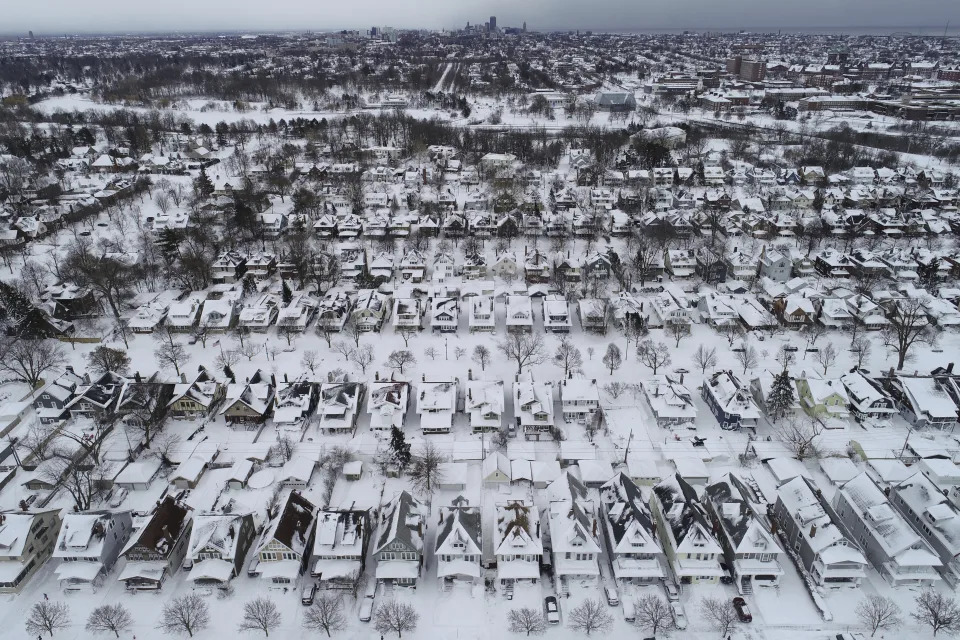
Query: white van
(629, 614)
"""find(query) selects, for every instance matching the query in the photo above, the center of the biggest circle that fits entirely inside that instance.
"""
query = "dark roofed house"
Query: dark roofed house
(631, 534)
(459, 547)
(156, 550)
(616, 101)
(284, 547)
(399, 547)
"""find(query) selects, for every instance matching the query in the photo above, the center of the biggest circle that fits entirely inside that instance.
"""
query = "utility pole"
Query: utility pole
(627, 451)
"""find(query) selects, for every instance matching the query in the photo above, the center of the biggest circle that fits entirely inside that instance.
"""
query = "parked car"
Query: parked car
(612, 598)
(679, 617)
(629, 612)
(673, 592)
(743, 611)
(366, 609)
(306, 596)
(553, 611)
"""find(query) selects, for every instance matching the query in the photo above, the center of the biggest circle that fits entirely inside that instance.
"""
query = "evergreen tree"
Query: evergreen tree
(929, 275)
(399, 447)
(781, 396)
(202, 185)
(169, 243)
(286, 293)
(228, 372)
(249, 285)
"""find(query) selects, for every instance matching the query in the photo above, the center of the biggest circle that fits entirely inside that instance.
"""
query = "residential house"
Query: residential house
(249, 402)
(481, 314)
(371, 310)
(729, 401)
(407, 313)
(197, 398)
(574, 531)
(218, 546)
(436, 405)
(519, 314)
(593, 314)
(259, 315)
(51, 402)
(387, 404)
(27, 540)
(822, 398)
(868, 400)
(97, 398)
(670, 401)
(228, 267)
(750, 549)
(484, 405)
(631, 536)
(399, 546)
(580, 399)
(685, 532)
(182, 316)
(556, 314)
(339, 407)
(459, 543)
(294, 403)
(413, 267)
(444, 314)
(156, 549)
(88, 546)
(810, 528)
(340, 547)
(933, 515)
(296, 315)
(897, 551)
(283, 550)
(517, 544)
(533, 407)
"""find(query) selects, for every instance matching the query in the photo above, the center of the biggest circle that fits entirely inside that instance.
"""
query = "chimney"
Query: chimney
(469, 374)
(950, 368)
(681, 378)
(69, 368)
(285, 378)
(813, 531)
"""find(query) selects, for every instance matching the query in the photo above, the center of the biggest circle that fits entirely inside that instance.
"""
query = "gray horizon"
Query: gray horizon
(57, 17)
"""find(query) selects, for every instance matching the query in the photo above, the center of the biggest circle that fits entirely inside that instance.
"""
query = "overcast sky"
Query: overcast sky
(70, 16)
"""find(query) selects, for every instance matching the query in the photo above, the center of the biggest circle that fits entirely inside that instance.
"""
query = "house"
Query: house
(481, 314)
(533, 407)
(282, 552)
(484, 404)
(897, 551)
(371, 310)
(413, 267)
(506, 267)
(809, 526)
(517, 543)
(934, 517)
(729, 401)
(97, 398)
(670, 401)
(340, 547)
(294, 316)
(157, 547)
(51, 402)
(685, 532)
(574, 530)
(228, 267)
(436, 405)
(444, 314)
(407, 313)
(198, 398)
(822, 398)
(593, 314)
(182, 316)
(631, 536)
(294, 403)
(580, 399)
(556, 314)
(496, 470)
(138, 475)
(339, 407)
(259, 315)
(459, 543)
(250, 402)
(218, 546)
(519, 314)
(795, 310)
(189, 472)
(27, 540)
(399, 546)
(218, 316)
(261, 265)
(749, 548)
(88, 546)
(387, 404)
(923, 401)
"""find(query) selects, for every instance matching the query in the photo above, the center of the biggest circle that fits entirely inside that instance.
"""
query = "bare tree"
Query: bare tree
(731, 331)
(81, 481)
(814, 332)
(170, 352)
(29, 360)
(878, 613)
(310, 361)
(459, 352)
(590, 616)
(249, 349)
(747, 357)
(653, 614)
(396, 616)
(425, 470)
(109, 618)
(863, 348)
(47, 617)
(527, 621)
(612, 359)
(937, 611)
(907, 326)
(407, 333)
(431, 352)
(679, 331)
(103, 359)
(362, 357)
(827, 357)
(164, 445)
(353, 329)
(401, 358)
(325, 614)
(705, 358)
(186, 614)
(653, 355)
(481, 355)
(260, 614)
(343, 348)
(719, 613)
(524, 349)
(800, 434)
(568, 356)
